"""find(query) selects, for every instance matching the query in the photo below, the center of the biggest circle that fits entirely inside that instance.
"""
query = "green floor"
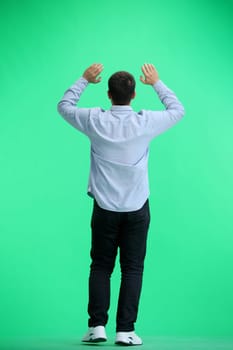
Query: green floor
(150, 343)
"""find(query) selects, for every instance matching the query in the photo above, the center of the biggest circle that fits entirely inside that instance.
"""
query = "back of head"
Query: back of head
(121, 87)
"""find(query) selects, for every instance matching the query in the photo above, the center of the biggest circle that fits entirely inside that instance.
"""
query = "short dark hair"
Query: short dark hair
(121, 86)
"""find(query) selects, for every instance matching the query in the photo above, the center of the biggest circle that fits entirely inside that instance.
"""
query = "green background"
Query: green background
(44, 210)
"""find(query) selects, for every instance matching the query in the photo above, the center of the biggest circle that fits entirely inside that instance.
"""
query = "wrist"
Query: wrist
(156, 81)
(84, 78)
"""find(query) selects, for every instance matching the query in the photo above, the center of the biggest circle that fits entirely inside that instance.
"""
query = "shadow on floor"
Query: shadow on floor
(149, 343)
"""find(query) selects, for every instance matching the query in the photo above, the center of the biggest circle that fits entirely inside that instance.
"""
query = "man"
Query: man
(119, 186)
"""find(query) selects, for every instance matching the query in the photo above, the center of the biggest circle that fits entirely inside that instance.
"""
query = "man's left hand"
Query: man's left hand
(92, 72)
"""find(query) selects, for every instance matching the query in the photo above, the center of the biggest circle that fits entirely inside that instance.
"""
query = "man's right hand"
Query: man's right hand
(92, 73)
(150, 73)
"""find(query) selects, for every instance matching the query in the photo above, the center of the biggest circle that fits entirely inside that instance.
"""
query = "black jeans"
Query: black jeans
(110, 230)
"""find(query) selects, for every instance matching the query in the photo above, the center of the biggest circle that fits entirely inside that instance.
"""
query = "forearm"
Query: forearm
(77, 117)
(72, 96)
(169, 99)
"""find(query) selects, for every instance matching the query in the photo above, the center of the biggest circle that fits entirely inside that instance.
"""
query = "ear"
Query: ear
(133, 95)
(109, 95)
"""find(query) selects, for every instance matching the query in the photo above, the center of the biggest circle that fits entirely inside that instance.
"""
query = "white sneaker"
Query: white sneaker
(127, 338)
(95, 335)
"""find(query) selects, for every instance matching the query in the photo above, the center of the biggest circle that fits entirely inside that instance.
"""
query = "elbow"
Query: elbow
(177, 114)
(182, 112)
(60, 108)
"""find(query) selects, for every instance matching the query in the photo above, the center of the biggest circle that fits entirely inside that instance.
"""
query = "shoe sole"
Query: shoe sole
(125, 344)
(96, 340)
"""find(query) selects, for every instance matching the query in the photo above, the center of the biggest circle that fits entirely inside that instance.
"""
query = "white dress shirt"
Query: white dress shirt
(120, 139)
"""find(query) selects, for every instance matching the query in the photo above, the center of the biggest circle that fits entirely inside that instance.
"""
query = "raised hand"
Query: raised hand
(150, 73)
(92, 72)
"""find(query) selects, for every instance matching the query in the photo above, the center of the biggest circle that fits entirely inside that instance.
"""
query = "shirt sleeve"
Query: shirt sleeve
(77, 117)
(160, 121)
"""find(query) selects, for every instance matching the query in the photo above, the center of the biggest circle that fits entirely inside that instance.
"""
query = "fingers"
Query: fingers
(96, 68)
(144, 70)
(97, 80)
(142, 79)
(150, 73)
(148, 68)
(92, 72)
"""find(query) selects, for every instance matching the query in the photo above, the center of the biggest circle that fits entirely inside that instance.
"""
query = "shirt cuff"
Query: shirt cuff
(158, 86)
(83, 80)
(158, 83)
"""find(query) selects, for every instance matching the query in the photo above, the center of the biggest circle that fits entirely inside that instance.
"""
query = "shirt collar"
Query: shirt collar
(121, 108)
